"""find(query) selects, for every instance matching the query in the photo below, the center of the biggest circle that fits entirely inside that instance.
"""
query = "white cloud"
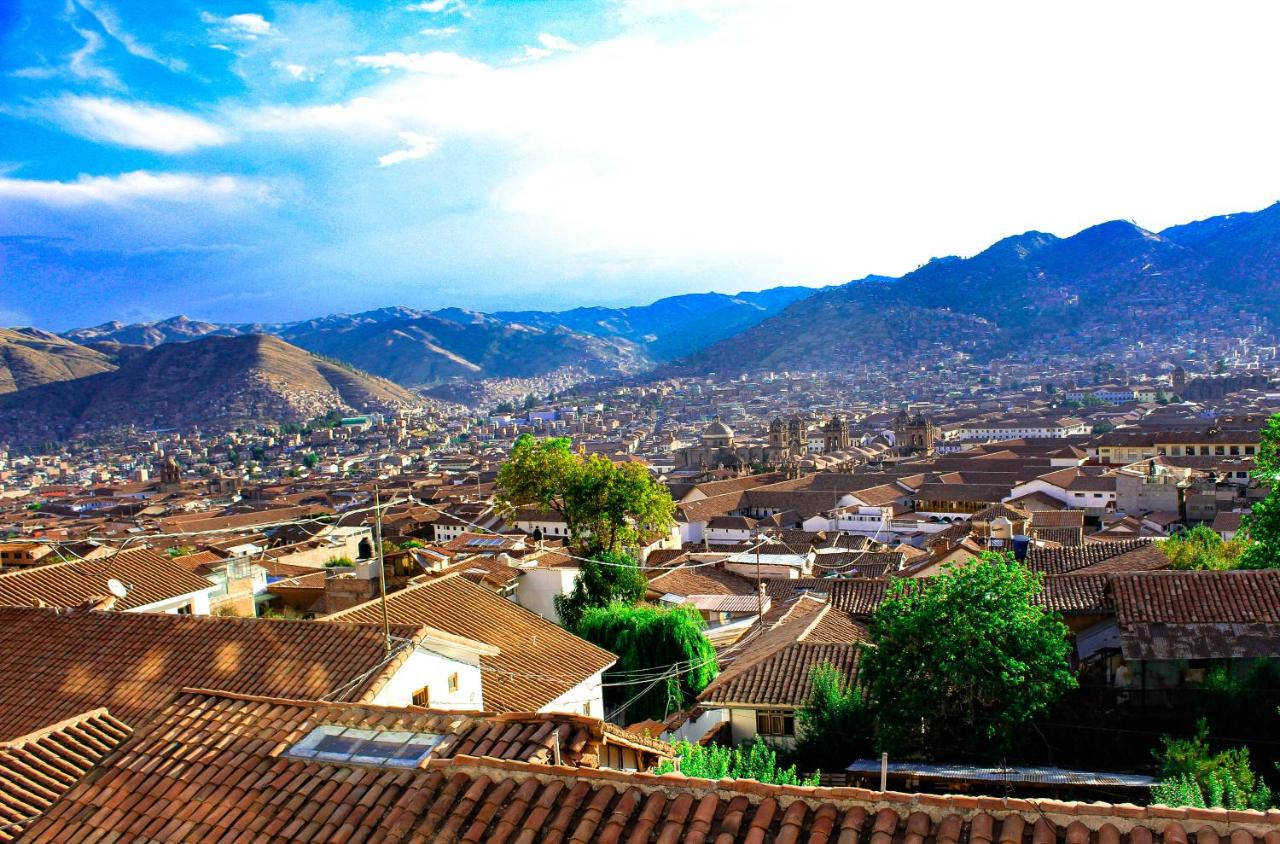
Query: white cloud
(128, 187)
(246, 25)
(112, 25)
(82, 64)
(436, 63)
(297, 71)
(134, 125)
(818, 141)
(419, 146)
(549, 44)
(439, 31)
(438, 6)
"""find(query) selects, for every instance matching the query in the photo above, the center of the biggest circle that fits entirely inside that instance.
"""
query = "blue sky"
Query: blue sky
(271, 160)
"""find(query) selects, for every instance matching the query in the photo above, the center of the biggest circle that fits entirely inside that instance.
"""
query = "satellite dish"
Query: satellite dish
(117, 588)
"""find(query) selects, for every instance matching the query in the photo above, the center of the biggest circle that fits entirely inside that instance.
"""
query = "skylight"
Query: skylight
(336, 743)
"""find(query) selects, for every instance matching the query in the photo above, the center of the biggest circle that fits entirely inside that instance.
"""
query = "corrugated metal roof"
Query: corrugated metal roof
(1047, 776)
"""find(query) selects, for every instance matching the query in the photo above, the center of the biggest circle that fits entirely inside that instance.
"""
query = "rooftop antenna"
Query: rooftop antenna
(117, 588)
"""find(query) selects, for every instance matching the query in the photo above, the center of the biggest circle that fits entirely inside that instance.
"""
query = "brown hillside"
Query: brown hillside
(30, 357)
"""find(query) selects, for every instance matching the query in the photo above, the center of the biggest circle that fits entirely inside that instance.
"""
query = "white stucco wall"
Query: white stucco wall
(197, 601)
(586, 698)
(430, 669)
(537, 587)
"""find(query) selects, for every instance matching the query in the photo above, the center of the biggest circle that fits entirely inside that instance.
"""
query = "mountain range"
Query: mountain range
(424, 348)
(1033, 294)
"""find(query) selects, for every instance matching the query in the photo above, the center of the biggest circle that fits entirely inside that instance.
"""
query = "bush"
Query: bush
(1192, 775)
(339, 563)
(835, 726)
(1200, 549)
(714, 762)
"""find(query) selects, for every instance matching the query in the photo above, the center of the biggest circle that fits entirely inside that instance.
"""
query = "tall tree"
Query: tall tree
(606, 579)
(1262, 525)
(664, 659)
(962, 659)
(605, 506)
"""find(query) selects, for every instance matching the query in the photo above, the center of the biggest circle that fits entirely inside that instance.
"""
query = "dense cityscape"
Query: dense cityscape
(646, 421)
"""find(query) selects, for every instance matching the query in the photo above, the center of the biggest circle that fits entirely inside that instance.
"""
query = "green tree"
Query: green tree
(602, 580)
(604, 505)
(963, 659)
(835, 726)
(664, 659)
(310, 460)
(1200, 549)
(1191, 774)
(1261, 526)
(715, 762)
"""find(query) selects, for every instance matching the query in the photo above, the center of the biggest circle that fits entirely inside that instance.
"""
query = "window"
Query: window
(422, 697)
(586, 709)
(1219, 450)
(1235, 450)
(185, 609)
(1248, 449)
(453, 682)
(335, 743)
(776, 722)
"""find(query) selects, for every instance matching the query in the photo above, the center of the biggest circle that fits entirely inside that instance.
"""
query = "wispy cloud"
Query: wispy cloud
(246, 25)
(548, 44)
(134, 125)
(419, 146)
(439, 31)
(437, 63)
(83, 65)
(127, 187)
(435, 7)
(112, 25)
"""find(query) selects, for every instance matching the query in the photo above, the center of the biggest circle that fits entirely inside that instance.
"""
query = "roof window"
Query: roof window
(336, 743)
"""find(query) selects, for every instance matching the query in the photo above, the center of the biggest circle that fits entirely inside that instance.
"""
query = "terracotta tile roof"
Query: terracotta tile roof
(38, 768)
(537, 661)
(1068, 537)
(132, 663)
(993, 493)
(1057, 518)
(995, 511)
(1066, 560)
(701, 581)
(860, 597)
(214, 770)
(1198, 614)
(784, 679)
(1197, 597)
(1149, 558)
(859, 563)
(150, 577)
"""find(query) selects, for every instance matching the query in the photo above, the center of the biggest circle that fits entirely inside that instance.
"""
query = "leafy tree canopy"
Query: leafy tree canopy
(663, 657)
(603, 580)
(604, 505)
(1262, 525)
(1200, 549)
(962, 659)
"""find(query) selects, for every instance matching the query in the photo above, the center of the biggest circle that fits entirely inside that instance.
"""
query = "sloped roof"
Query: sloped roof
(537, 661)
(1067, 560)
(244, 788)
(150, 577)
(38, 768)
(60, 664)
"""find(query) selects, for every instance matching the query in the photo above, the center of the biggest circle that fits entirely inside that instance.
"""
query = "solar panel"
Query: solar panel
(336, 743)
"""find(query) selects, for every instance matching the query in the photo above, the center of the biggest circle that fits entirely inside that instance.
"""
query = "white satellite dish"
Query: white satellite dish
(117, 588)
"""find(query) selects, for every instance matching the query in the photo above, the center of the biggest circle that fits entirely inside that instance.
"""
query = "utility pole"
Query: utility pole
(382, 573)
